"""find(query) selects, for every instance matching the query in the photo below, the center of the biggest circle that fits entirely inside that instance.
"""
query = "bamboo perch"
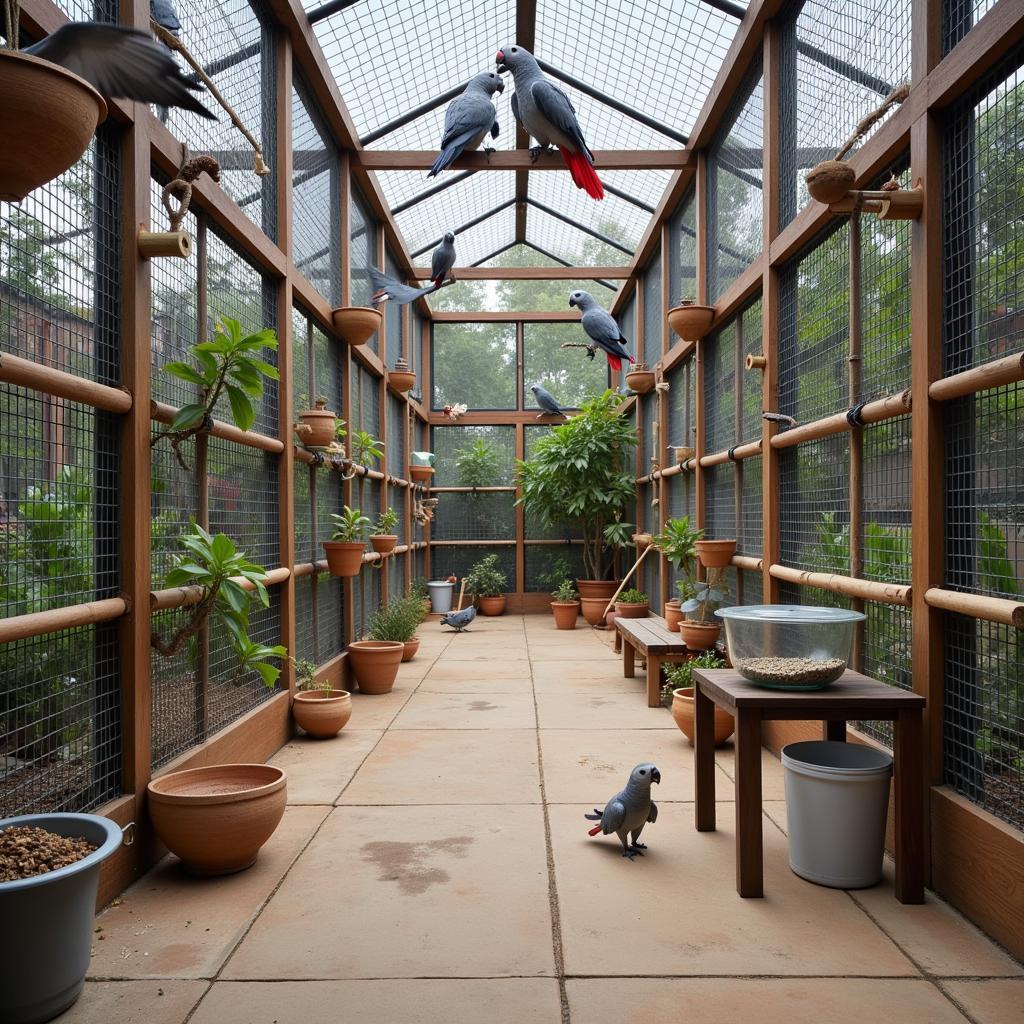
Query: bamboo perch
(756, 362)
(21, 627)
(748, 562)
(25, 373)
(742, 451)
(179, 597)
(998, 373)
(162, 413)
(978, 606)
(474, 543)
(472, 490)
(868, 590)
(625, 579)
(873, 412)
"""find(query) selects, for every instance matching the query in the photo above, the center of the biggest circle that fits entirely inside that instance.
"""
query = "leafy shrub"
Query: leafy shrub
(632, 596)
(485, 579)
(397, 621)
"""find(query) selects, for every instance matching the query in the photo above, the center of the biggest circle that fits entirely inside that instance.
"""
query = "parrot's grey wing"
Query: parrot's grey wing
(614, 816)
(652, 814)
(465, 118)
(400, 294)
(441, 261)
(495, 130)
(164, 14)
(120, 63)
(601, 325)
(515, 109)
(556, 108)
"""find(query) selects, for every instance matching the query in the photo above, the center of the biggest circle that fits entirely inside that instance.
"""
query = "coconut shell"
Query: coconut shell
(830, 180)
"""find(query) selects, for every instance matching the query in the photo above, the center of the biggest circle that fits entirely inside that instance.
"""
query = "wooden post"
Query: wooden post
(856, 441)
(701, 194)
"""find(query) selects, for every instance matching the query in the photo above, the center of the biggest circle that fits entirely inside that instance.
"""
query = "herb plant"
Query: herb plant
(350, 527)
(680, 677)
(397, 621)
(632, 596)
(365, 448)
(566, 593)
(386, 523)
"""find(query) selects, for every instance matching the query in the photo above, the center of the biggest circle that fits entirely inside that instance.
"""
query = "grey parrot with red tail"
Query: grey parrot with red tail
(629, 810)
(601, 329)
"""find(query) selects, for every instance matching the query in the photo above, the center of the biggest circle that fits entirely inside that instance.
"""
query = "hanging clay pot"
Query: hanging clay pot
(401, 378)
(356, 324)
(50, 116)
(421, 474)
(683, 455)
(640, 379)
(691, 321)
(343, 557)
(316, 427)
(715, 554)
(383, 543)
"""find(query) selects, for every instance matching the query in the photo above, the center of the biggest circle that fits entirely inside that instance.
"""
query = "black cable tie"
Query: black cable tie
(853, 416)
(732, 453)
(318, 459)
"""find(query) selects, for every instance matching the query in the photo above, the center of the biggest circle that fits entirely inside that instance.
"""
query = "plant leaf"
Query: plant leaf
(242, 411)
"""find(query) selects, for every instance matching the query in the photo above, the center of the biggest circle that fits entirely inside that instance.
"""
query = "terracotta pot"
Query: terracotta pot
(383, 543)
(344, 558)
(375, 664)
(682, 712)
(690, 321)
(829, 181)
(216, 818)
(609, 619)
(566, 613)
(356, 324)
(316, 427)
(401, 380)
(642, 542)
(640, 381)
(715, 554)
(699, 636)
(322, 713)
(597, 588)
(633, 611)
(492, 605)
(593, 609)
(409, 648)
(684, 454)
(673, 616)
(421, 474)
(50, 116)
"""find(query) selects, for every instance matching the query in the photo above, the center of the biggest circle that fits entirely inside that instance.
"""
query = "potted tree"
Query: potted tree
(317, 708)
(677, 543)
(348, 542)
(381, 537)
(374, 660)
(680, 683)
(632, 604)
(566, 605)
(699, 629)
(488, 584)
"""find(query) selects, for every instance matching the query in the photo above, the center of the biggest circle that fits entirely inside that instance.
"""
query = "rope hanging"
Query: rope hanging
(181, 186)
(12, 16)
(898, 95)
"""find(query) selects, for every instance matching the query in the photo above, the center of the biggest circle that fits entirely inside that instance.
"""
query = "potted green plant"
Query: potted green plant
(348, 542)
(632, 604)
(374, 660)
(566, 605)
(700, 629)
(317, 708)
(477, 464)
(487, 584)
(677, 543)
(679, 686)
(381, 537)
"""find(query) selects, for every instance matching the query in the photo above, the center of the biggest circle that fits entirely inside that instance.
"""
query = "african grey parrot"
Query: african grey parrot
(629, 810)
(602, 330)
(468, 119)
(441, 263)
(120, 63)
(459, 620)
(164, 14)
(547, 402)
(546, 113)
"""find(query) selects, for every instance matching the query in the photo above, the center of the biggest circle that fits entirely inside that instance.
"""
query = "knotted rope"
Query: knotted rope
(180, 188)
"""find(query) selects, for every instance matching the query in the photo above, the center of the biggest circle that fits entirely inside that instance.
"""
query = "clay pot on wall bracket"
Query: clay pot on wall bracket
(409, 648)
(344, 558)
(699, 636)
(632, 611)
(683, 713)
(50, 117)
(640, 379)
(356, 324)
(374, 664)
(401, 378)
(691, 321)
(673, 615)
(316, 426)
(492, 605)
(565, 613)
(829, 181)
(216, 818)
(597, 588)
(383, 543)
(715, 554)
(322, 713)
(421, 474)
(593, 609)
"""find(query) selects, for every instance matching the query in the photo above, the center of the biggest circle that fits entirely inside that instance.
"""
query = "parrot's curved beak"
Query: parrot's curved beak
(655, 775)
(572, 301)
(501, 84)
(500, 61)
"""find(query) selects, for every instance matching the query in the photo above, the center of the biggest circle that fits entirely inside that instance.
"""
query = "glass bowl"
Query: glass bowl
(789, 647)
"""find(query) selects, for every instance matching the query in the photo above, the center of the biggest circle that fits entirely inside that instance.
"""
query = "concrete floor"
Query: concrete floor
(434, 866)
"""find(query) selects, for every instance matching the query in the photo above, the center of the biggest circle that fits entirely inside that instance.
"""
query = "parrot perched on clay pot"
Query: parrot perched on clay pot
(629, 810)
(468, 119)
(601, 329)
(546, 113)
(386, 287)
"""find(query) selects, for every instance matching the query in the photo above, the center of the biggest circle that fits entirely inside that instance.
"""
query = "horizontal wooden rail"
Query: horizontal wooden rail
(309, 569)
(179, 597)
(573, 273)
(53, 620)
(871, 412)
(978, 606)
(553, 543)
(521, 160)
(998, 373)
(471, 490)
(163, 413)
(27, 374)
(867, 590)
(741, 451)
(472, 543)
(748, 562)
(513, 316)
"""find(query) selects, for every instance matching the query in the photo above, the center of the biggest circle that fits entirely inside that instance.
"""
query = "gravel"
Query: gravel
(26, 850)
(791, 671)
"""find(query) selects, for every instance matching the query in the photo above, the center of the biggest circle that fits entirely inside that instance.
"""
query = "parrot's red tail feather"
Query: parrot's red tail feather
(583, 173)
(593, 831)
(614, 362)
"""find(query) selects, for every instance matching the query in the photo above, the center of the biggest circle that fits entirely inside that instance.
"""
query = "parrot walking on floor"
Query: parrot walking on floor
(468, 119)
(547, 402)
(441, 262)
(459, 621)
(629, 810)
(546, 113)
(601, 328)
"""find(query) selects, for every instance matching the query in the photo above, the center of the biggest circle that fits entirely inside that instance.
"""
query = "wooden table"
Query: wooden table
(852, 697)
(654, 642)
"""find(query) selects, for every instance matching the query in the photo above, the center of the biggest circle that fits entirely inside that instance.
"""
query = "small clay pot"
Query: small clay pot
(593, 609)
(691, 321)
(640, 381)
(383, 543)
(633, 611)
(409, 648)
(673, 616)
(492, 605)
(683, 713)
(421, 474)
(609, 619)
(715, 554)
(401, 378)
(374, 664)
(699, 636)
(642, 541)
(356, 324)
(597, 588)
(565, 613)
(829, 181)
(344, 558)
(316, 427)
(322, 713)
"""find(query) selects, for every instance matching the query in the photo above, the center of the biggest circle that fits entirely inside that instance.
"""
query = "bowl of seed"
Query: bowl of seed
(789, 647)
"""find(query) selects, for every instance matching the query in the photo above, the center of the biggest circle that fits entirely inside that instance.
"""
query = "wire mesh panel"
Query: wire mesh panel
(887, 491)
(888, 655)
(305, 542)
(720, 502)
(330, 598)
(720, 389)
(474, 365)
(242, 488)
(455, 561)
(316, 213)
(735, 187)
(682, 241)
(751, 526)
(305, 625)
(396, 576)
(751, 587)
(654, 315)
(365, 400)
(840, 58)
(567, 374)
(959, 17)
(751, 401)
(396, 457)
(394, 316)
(362, 253)
(629, 328)
(547, 565)
(485, 516)
(483, 456)
(682, 407)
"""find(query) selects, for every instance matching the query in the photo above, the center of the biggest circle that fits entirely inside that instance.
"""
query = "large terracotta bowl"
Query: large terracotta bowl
(322, 713)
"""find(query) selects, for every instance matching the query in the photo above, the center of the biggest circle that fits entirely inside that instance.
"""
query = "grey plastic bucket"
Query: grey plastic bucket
(837, 800)
(440, 595)
(48, 922)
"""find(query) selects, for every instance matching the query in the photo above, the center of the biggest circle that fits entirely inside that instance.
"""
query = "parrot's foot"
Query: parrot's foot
(488, 150)
(631, 853)
(638, 847)
(536, 152)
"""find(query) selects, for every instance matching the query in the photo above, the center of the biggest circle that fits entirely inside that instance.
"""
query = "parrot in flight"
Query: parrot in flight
(601, 328)
(459, 621)
(468, 119)
(629, 810)
(547, 402)
(546, 113)
(441, 262)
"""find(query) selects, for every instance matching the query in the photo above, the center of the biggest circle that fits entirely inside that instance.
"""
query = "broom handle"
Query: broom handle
(626, 578)
(462, 590)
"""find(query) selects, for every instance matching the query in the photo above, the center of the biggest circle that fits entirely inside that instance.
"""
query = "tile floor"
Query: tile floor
(434, 866)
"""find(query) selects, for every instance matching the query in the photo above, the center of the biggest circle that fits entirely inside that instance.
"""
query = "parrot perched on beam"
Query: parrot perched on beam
(629, 810)
(546, 113)
(601, 328)
(441, 262)
(547, 402)
(468, 119)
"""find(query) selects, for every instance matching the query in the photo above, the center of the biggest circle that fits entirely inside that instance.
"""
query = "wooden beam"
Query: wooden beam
(526, 32)
(527, 273)
(488, 317)
(522, 160)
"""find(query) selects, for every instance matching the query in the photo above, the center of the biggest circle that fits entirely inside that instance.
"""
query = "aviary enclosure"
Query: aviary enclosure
(887, 352)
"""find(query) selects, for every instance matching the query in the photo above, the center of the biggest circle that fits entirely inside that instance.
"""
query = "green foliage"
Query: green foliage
(579, 476)
(386, 522)
(632, 596)
(678, 543)
(418, 588)
(365, 449)
(559, 571)
(397, 621)
(305, 675)
(707, 596)
(351, 526)
(566, 592)
(477, 464)
(618, 534)
(485, 579)
(680, 677)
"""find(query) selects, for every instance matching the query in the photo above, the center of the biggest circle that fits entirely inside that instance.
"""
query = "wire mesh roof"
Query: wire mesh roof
(658, 57)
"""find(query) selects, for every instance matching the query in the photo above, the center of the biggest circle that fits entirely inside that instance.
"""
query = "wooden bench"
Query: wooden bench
(652, 640)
